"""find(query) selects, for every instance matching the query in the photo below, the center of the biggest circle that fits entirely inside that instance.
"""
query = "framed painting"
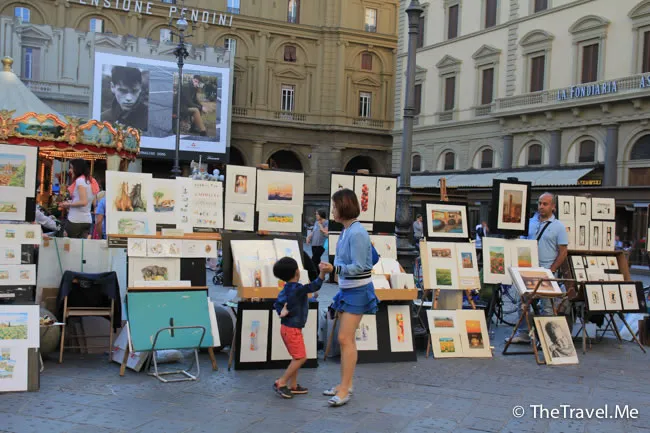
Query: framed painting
(468, 276)
(566, 208)
(19, 326)
(386, 246)
(612, 296)
(595, 236)
(496, 259)
(339, 181)
(609, 236)
(386, 202)
(442, 266)
(582, 235)
(280, 189)
(509, 215)
(399, 327)
(443, 321)
(165, 201)
(12, 205)
(474, 334)
(630, 299)
(241, 184)
(18, 171)
(570, 228)
(447, 345)
(254, 336)
(365, 187)
(154, 269)
(527, 279)
(280, 218)
(523, 253)
(583, 209)
(445, 221)
(136, 247)
(239, 216)
(556, 340)
(594, 295)
(603, 209)
(13, 368)
(366, 334)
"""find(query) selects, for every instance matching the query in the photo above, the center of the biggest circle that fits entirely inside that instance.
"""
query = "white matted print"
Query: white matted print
(468, 275)
(629, 297)
(130, 223)
(442, 266)
(280, 218)
(366, 334)
(309, 332)
(583, 209)
(447, 345)
(570, 228)
(527, 279)
(12, 205)
(18, 170)
(513, 200)
(137, 247)
(578, 262)
(524, 253)
(207, 204)
(154, 269)
(566, 208)
(594, 295)
(386, 246)
(595, 236)
(239, 216)
(603, 208)
(13, 368)
(240, 184)
(288, 248)
(582, 235)
(17, 275)
(446, 221)
(253, 340)
(184, 192)
(280, 188)
(332, 240)
(19, 326)
(581, 274)
(612, 296)
(199, 248)
(386, 201)
(556, 340)
(399, 327)
(128, 192)
(474, 334)
(340, 181)
(164, 247)
(442, 321)
(164, 194)
(612, 263)
(609, 236)
(496, 259)
(365, 187)
(10, 255)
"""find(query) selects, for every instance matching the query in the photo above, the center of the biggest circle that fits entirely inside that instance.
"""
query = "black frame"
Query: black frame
(425, 222)
(384, 354)
(496, 205)
(268, 364)
(639, 295)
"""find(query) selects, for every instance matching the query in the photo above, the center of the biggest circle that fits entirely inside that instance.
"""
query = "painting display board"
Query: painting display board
(459, 334)
(509, 214)
(449, 266)
(445, 221)
(17, 262)
(596, 267)
(17, 182)
(499, 254)
(258, 344)
(19, 332)
(590, 222)
(611, 297)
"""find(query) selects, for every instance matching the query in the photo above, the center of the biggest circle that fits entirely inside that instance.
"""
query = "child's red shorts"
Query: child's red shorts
(293, 341)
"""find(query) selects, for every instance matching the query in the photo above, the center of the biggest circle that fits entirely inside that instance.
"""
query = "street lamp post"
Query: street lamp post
(405, 249)
(181, 54)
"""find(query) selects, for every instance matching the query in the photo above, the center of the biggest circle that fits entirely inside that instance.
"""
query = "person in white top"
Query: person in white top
(82, 190)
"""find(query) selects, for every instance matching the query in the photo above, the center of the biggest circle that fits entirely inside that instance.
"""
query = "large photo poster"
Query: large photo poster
(143, 93)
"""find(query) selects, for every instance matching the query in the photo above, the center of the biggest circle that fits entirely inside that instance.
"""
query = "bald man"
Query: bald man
(552, 241)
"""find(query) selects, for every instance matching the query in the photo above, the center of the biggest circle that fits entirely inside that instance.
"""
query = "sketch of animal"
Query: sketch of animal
(123, 202)
(136, 197)
(154, 273)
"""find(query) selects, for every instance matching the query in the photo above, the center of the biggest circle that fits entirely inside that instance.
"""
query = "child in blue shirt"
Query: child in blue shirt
(293, 307)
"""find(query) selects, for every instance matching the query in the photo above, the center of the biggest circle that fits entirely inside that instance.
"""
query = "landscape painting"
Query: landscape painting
(13, 368)
(164, 195)
(280, 192)
(239, 216)
(276, 188)
(17, 171)
(12, 170)
(446, 220)
(280, 218)
(14, 326)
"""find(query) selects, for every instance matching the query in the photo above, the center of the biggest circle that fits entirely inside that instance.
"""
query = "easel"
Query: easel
(527, 299)
(436, 292)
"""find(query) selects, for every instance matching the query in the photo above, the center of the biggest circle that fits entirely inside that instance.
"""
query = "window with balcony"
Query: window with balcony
(487, 158)
(589, 63)
(230, 44)
(31, 63)
(449, 161)
(540, 5)
(452, 21)
(421, 28)
(290, 53)
(536, 49)
(366, 61)
(537, 73)
(487, 86)
(416, 163)
(96, 25)
(645, 62)
(233, 6)
(490, 13)
(449, 96)
(293, 13)
(365, 103)
(23, 14)
(587, 151)
(287, 102)
(166, 35)
(534, 154)
(417, 100)
(371, 20)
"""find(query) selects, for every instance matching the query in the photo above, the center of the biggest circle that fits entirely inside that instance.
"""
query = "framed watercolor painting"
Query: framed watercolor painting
(239, 216)
(630, 298)
(447, 345)
(18, 170)
(612, 297)
(240, 184)
(366, 334)
(386, 202)
(474, 334)
(399, 327)
(445, 221)
(339, 181)
(556, 340)
(254, 336)
(365, 187)
(280, 218)
(509, 215)
(280, 188)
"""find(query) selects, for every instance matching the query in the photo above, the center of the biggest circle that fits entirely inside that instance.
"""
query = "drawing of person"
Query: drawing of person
(560, 345)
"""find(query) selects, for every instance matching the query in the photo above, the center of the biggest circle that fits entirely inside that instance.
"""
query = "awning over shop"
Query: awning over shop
(482, 180)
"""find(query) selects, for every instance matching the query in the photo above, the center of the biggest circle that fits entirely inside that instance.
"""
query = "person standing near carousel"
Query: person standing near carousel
(83, 191)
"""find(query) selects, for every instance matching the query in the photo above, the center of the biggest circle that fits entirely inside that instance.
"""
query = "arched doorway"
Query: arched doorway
(236, 157)
(285, 160)
(361, 163)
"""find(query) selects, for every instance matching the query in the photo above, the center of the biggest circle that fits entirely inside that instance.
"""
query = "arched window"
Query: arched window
(641, 149)
(487, 158)
(450, 161)
(587, 151)
(22, 13)
(416, 163)
(535, 154)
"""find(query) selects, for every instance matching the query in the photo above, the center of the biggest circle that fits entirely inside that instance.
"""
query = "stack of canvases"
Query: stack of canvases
(137, 204)
(254, 260)
(590, 222)
(278, 197)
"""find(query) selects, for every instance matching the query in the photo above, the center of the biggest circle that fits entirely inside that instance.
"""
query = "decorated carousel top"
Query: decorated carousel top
(25, 119)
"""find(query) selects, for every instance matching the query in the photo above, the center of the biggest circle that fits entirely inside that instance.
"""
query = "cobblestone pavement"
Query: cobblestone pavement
(86, 394)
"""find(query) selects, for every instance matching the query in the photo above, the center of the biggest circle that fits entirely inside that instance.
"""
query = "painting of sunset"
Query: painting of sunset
(280, 191)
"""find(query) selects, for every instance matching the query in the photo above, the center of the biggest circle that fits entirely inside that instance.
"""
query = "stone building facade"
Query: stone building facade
(313, 81)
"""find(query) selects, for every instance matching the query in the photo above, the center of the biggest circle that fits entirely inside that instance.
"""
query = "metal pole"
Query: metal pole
(180, 55)
(405, 249)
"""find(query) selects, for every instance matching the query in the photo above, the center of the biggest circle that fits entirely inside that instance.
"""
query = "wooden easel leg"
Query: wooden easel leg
(436, 297)
(522, 315)
(584, 329)
(429, 344)
(124, 358)
(613, 322)
(533, 340)
(629, 328)
(468, 293)
(330, 337)
(231, 355)
(213, 359)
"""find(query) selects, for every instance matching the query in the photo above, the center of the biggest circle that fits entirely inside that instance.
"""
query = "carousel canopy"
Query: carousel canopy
(17, 97)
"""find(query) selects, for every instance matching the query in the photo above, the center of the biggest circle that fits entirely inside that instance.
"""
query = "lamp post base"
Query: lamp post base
(406, 252)
(176, 171)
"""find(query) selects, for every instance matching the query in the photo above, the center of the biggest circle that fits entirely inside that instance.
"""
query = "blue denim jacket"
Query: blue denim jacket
(295, 296)
(354, 253)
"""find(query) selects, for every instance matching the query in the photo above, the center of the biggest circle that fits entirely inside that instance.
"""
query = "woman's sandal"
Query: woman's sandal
(333, 390)
(337, 401)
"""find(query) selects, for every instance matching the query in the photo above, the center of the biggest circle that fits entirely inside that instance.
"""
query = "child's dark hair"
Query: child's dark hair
(285, 268)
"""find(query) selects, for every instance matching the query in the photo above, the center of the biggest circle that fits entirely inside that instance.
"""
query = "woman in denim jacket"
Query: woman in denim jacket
(356, 296)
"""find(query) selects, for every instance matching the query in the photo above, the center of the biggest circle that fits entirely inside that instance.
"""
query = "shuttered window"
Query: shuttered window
(450, 93)
(452, 24)
(487, 86)
(590, 63)
(537, 65)
(490, 13)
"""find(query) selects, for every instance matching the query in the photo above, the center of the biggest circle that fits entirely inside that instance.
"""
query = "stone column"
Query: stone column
(261, 70)
(258, 153)
(506, 162)
(611, 155)
(340, 78)
(555, 151)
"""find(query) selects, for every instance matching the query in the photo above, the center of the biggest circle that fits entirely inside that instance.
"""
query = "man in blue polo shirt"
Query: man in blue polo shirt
(552, 241)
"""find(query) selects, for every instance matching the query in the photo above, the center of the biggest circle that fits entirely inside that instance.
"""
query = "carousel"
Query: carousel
(25, 119)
